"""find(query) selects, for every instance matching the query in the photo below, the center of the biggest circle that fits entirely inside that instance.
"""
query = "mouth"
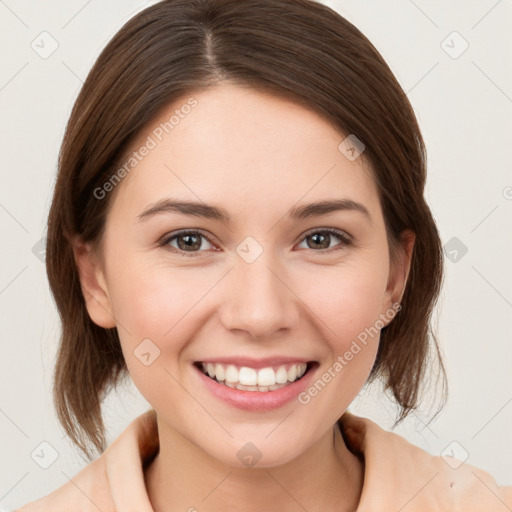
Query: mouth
(247, 378)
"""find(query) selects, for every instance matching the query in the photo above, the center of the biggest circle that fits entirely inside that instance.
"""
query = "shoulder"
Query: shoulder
(112, 482)
(85, 492)
(407, 477)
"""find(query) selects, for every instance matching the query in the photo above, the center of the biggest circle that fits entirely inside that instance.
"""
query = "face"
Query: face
(249, 282)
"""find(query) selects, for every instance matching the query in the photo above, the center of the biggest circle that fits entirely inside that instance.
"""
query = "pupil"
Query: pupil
(316, 236)
(189, 241)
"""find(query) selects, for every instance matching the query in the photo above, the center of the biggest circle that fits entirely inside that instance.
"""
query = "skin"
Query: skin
(257, 156)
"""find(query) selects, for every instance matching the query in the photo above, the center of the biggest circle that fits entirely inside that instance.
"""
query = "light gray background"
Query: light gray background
(464, 108)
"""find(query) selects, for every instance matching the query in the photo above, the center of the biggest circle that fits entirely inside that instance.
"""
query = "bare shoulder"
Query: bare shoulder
(401, 472)
(114, 481)
(455, 485)
(87, 491)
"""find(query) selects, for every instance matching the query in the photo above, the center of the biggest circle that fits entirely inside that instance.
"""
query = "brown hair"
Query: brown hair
(295, 48)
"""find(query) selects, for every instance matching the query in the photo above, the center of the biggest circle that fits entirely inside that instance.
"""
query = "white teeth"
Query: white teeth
(247, 376)
(220, 374)
(231, 374)
(281, 375)
(292, 373)
(250, 379)
(241, 387)
(266, 377)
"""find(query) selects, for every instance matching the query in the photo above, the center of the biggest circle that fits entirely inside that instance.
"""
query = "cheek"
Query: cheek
(349, 312)
(147, 305)
(347, 300)
(151, 299)
(154, 302)
(153, 310)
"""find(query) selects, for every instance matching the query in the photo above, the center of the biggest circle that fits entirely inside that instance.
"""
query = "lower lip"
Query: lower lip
(256, 400)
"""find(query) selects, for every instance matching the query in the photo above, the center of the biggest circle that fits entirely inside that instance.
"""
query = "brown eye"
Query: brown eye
(187, 242)
(321, 239)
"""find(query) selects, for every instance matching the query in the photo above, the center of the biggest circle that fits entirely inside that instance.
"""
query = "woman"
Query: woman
(238, 224)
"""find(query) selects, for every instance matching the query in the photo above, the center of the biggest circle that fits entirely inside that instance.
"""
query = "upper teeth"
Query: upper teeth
(251, 377)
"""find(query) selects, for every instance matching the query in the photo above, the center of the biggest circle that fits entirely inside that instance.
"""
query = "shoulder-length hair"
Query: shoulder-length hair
(300, 49)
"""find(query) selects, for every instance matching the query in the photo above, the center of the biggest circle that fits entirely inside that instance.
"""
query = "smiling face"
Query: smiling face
(249, 277)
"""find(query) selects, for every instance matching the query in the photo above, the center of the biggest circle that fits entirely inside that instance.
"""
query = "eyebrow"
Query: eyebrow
(206, 211)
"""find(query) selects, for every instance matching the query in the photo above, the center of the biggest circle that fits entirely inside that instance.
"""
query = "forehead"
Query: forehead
(240, 147)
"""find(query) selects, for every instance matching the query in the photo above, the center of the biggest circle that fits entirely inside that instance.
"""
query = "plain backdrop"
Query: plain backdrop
(453, 61)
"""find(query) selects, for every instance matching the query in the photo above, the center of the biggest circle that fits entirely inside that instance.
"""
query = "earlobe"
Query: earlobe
(93, 285)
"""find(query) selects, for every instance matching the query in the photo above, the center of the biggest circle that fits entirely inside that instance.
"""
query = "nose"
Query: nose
(259, 299)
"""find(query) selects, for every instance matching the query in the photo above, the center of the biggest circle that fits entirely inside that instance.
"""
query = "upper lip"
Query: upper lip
(255, 363)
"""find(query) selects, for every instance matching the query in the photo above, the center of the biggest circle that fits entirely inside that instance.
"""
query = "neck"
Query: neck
(182, 477)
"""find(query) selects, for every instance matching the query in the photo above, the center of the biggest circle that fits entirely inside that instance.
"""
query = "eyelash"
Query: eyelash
(164, 242)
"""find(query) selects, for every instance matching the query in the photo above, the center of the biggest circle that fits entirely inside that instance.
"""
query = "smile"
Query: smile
(246, 378)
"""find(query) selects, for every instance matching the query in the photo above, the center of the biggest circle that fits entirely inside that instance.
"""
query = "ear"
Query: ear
(399, 270)
(94, 288)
